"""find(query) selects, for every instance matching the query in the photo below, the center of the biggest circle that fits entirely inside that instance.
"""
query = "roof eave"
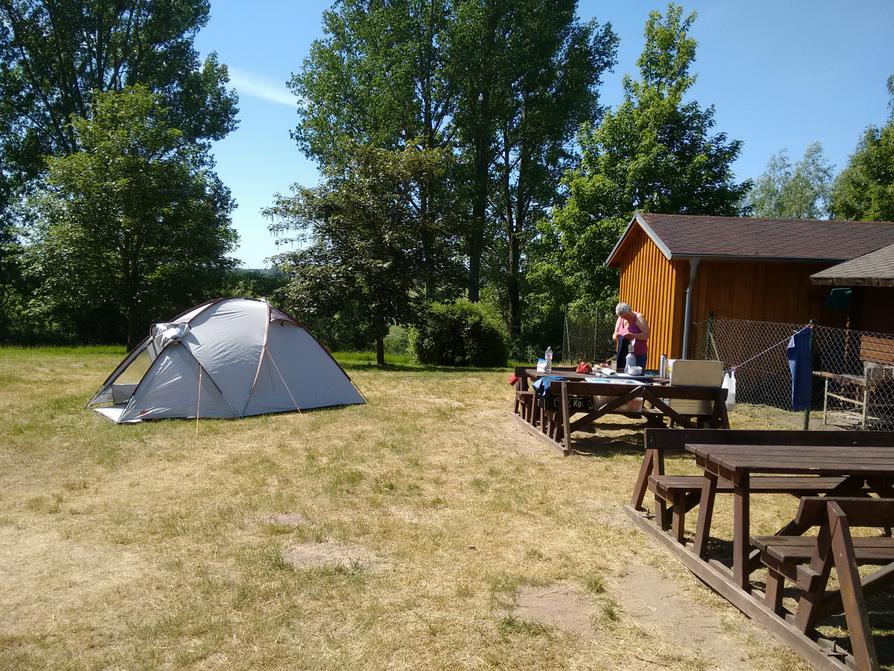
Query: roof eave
(638, 218)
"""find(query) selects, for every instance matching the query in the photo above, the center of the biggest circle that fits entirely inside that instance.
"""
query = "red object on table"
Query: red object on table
(584, 367)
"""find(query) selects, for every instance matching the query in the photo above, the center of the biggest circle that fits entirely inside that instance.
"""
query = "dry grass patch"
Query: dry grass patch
(146, 547)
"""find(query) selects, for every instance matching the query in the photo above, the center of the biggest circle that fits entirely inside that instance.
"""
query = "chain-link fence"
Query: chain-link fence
(588, 340)
(853, 370)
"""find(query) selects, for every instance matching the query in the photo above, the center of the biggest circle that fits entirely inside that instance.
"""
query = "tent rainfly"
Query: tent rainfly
(231, 357)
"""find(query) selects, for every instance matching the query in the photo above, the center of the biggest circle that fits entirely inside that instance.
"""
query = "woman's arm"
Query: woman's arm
(617, 326)
(643, 327)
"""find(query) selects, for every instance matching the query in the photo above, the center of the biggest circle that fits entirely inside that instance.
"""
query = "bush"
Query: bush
(460, 334)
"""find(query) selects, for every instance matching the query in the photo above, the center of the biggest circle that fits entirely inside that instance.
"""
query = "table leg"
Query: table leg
(741, 530)
(705, 512)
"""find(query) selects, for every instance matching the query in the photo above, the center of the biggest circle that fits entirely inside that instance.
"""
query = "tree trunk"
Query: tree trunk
(380, 350)
(479, 209)
(134, 332)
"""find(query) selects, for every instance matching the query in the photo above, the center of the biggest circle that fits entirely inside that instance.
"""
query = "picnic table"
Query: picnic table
(846, 468)
(857, 466)
(551, 416)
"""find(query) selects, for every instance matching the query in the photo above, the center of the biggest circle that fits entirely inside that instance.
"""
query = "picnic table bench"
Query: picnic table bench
(807, 562)
(551, 416)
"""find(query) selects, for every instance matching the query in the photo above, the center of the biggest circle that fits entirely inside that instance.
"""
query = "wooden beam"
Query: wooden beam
(752, 606)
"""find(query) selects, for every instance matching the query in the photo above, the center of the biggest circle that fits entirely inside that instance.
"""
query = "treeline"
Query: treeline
(472, 181)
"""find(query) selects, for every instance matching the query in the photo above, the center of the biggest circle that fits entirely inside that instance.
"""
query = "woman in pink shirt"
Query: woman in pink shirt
(631, 329)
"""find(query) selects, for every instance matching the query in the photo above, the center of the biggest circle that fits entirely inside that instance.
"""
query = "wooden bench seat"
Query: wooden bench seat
(875, 550)
(668, 486)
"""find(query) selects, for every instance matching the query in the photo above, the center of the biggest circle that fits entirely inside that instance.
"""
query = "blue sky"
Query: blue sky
(781, 74)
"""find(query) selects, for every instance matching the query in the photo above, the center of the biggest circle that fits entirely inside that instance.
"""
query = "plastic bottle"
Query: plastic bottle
(629, 363)
(662, 366)
(548, 355)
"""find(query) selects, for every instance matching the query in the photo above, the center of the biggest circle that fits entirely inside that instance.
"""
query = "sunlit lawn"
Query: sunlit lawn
(146, 546)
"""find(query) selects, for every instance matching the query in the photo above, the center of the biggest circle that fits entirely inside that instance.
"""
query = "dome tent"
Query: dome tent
(230, 357)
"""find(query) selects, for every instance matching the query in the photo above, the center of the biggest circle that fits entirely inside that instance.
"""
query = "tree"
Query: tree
(56, 53)
(359, 262)
(802, 192)
(134, 223)
(378, 79)
(555, 65)
(654, 152)
(865, 188)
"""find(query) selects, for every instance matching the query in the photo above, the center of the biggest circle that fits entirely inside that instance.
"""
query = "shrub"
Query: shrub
(460, 334)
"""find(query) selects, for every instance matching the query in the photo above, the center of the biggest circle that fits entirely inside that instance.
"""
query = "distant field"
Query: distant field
(149, 546)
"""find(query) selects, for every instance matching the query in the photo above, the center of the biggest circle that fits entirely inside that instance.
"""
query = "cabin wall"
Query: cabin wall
(872, 309)
(652, 285)
(762, 291)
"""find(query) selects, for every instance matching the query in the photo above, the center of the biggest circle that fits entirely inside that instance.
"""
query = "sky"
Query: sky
(781, 75)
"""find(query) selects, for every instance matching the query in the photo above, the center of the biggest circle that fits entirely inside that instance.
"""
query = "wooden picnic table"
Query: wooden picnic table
(551, 417)
(838, 470)
(872, 467)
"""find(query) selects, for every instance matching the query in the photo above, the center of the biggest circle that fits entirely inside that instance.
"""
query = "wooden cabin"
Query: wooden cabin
(679, 269)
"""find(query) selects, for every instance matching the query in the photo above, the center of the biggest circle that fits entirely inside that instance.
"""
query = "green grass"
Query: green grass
(145, 546)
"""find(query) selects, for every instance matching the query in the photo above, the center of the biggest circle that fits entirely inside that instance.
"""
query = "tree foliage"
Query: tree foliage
(133, 224)
(655, 152)
(358, 265)
(499, 86)
(56, 53)
(865, 188)
(801, 191)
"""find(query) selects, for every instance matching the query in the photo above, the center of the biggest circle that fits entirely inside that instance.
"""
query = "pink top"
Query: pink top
(623, 327)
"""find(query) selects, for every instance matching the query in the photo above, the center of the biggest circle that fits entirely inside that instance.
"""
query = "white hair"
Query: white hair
(622, 308)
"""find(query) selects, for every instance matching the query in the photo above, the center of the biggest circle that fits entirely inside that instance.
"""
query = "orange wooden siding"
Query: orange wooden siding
(775, 291)
(652, 285)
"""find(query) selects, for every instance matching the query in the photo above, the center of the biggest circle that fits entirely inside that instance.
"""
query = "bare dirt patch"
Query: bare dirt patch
(562, 606)
(329, 555)
(656, 603)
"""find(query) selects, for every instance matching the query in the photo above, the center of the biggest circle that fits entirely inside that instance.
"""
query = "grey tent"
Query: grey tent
(229, 357)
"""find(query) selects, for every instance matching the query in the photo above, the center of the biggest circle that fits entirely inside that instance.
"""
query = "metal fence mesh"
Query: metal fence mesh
(853, 371)
(588, 340)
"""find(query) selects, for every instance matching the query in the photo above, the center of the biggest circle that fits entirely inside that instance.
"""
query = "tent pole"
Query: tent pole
(198, 402)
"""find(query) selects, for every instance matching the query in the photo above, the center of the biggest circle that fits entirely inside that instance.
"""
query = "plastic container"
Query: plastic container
(629, 363)
(548, 355)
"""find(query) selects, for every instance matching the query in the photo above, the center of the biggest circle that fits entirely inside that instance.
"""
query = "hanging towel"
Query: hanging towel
(799, 362)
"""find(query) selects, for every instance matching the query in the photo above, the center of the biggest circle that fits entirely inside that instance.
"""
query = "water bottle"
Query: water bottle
(548, 355)
(662, 366)
(629, 363)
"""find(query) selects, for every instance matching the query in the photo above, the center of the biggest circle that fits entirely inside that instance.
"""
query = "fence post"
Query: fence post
(807, 411)
(709, 333)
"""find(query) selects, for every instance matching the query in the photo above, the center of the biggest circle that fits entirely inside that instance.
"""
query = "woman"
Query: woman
(631, 328)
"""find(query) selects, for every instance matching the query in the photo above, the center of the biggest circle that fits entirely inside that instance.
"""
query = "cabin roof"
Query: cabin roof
(872, 269)
(683, 236)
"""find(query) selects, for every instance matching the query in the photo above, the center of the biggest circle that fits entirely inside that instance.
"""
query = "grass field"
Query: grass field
(153, 546)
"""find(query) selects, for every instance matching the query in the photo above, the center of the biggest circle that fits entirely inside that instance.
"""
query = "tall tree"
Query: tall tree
(358, 261)
(865, 188)
(801, 191)
(655, 151)
(554, 65)
(378, 79)
(133, 221)
(55, 53)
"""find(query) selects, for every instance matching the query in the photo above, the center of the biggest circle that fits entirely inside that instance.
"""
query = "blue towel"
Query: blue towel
(800, 364)
(542, 384)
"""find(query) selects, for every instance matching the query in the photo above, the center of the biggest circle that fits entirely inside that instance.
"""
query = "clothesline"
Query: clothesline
(732, 369)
